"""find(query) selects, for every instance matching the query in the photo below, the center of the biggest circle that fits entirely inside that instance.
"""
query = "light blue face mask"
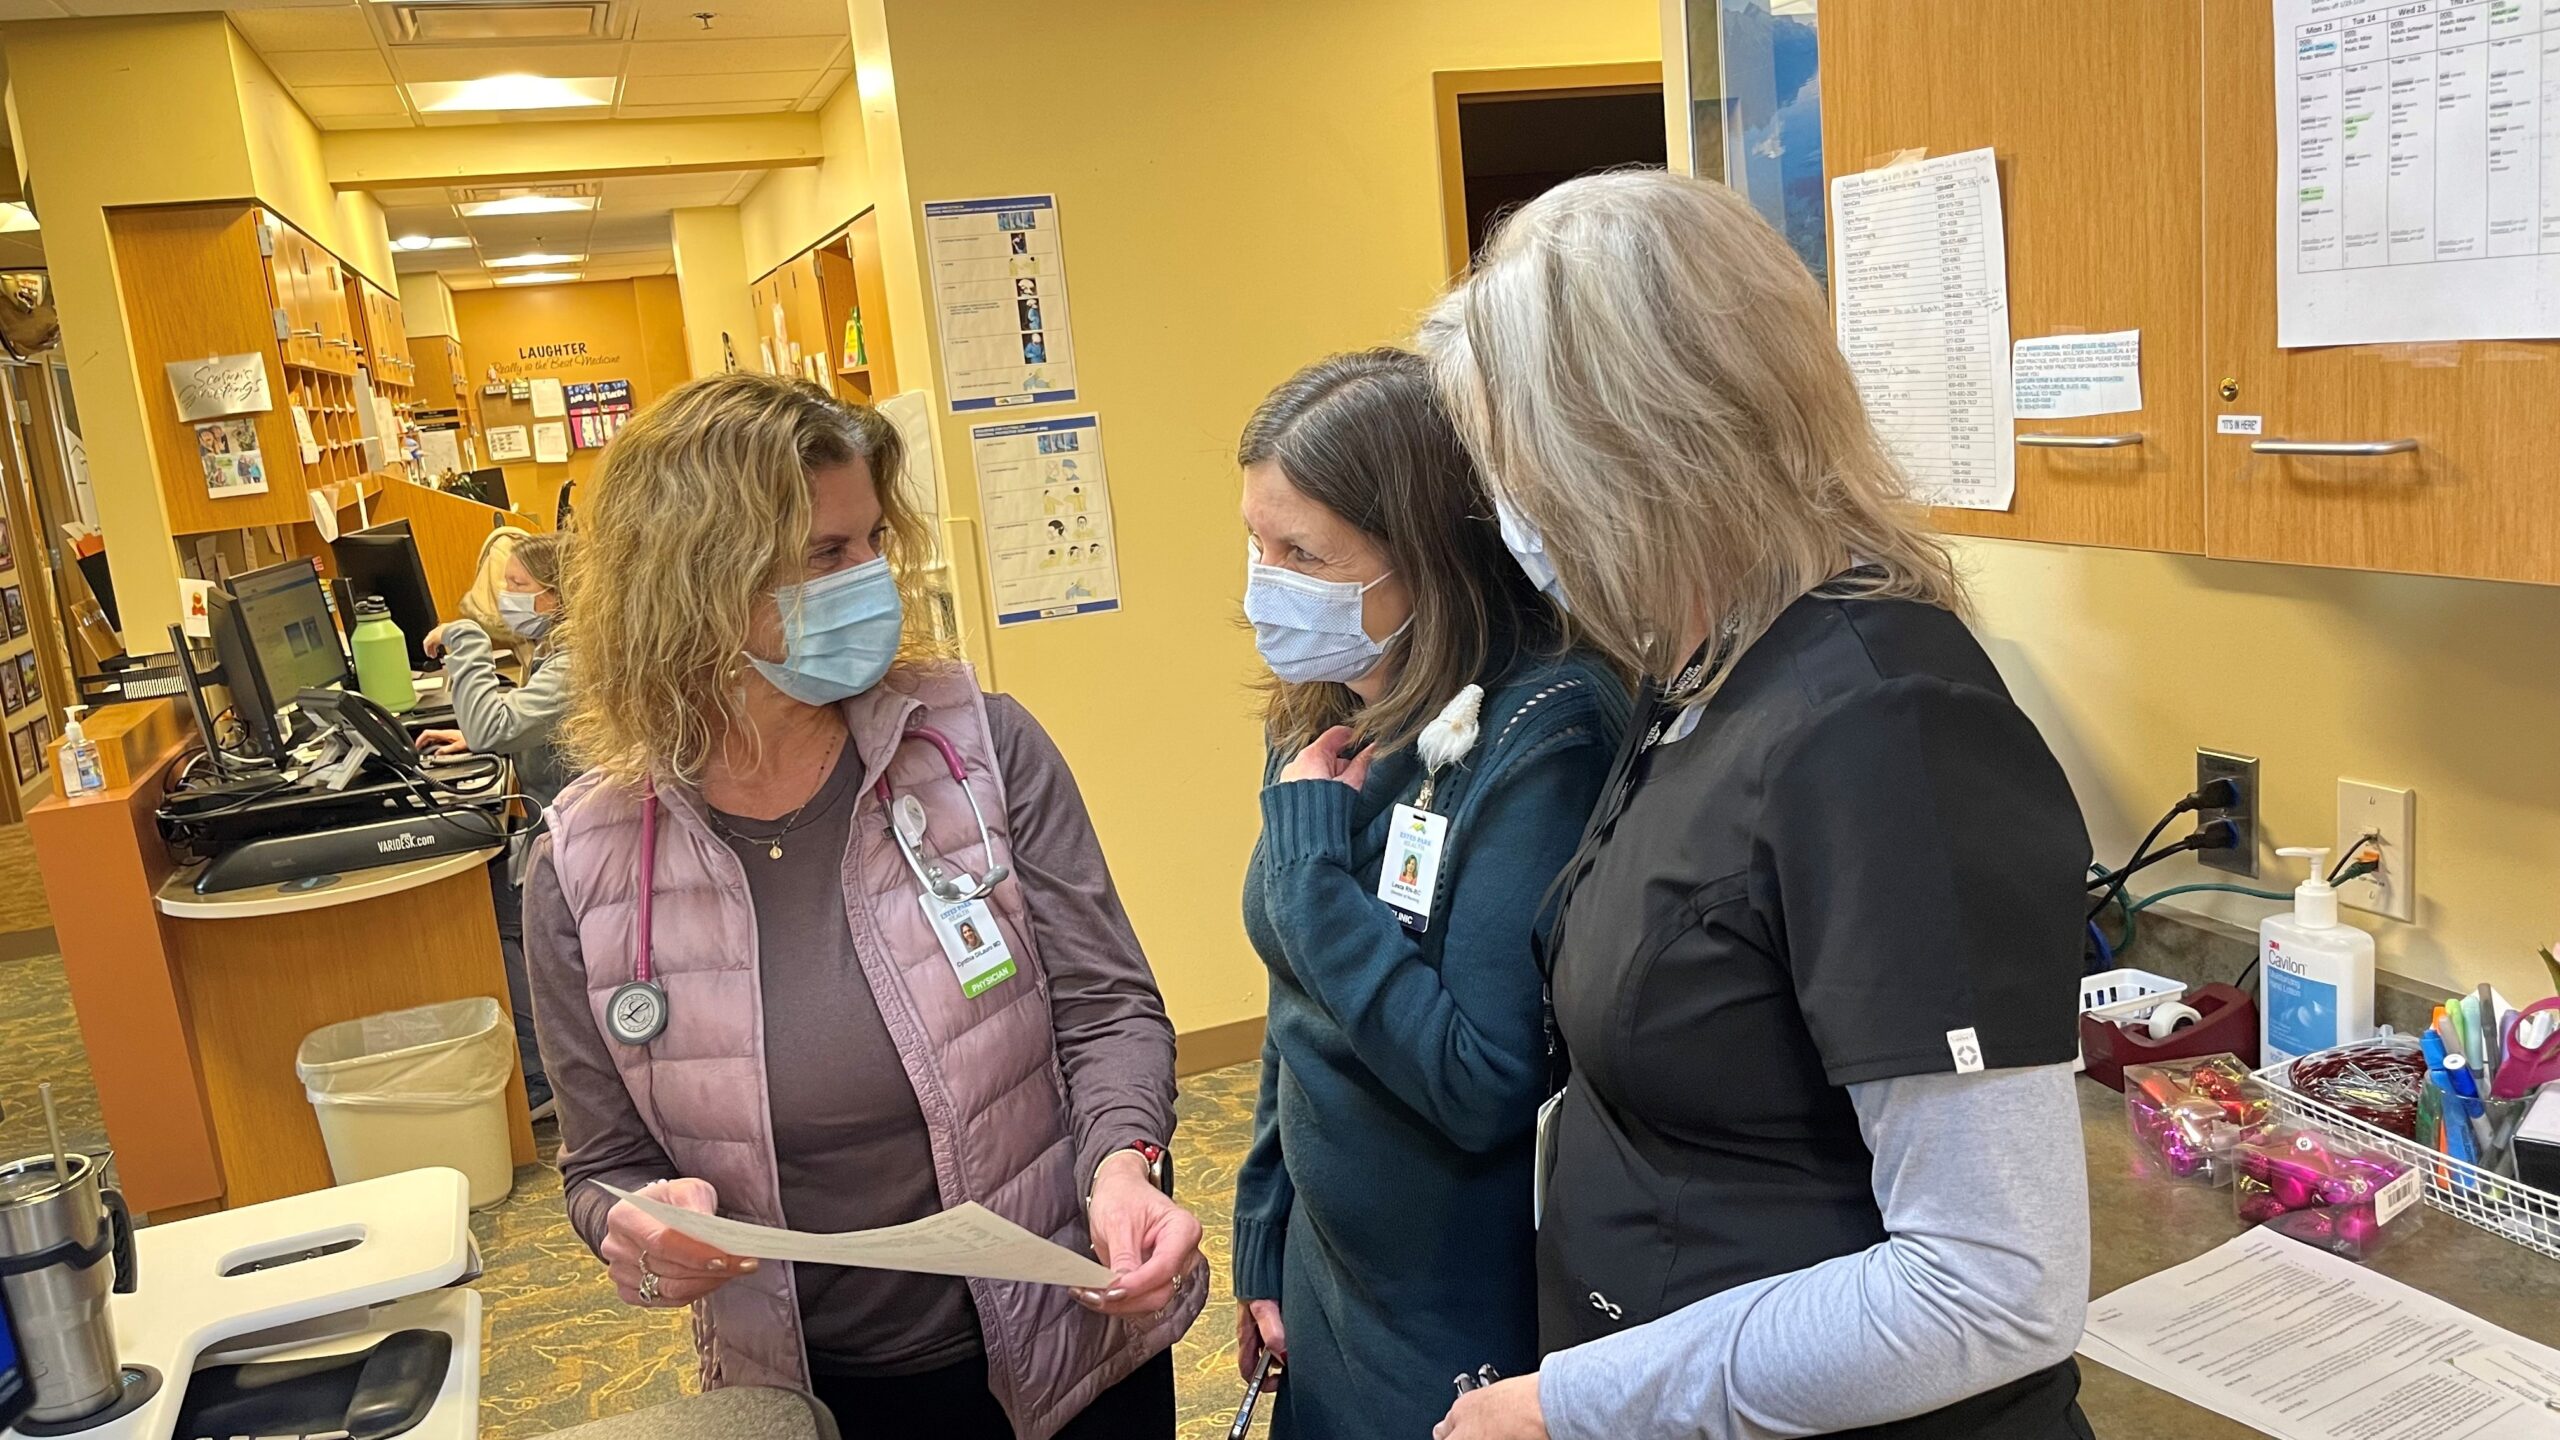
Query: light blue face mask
(516, 609)
(1529, 548)
(1309, 629)
(841, 633)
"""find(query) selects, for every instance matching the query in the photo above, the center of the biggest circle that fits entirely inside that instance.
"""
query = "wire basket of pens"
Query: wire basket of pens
(2419, 1100)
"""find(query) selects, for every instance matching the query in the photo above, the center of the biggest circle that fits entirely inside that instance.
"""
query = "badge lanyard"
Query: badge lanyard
(954, 903)
(1417, 839)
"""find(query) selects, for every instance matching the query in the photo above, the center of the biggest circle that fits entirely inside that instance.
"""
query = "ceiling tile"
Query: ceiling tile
(326, 102)
(399, 121)
(825, 90)
(298, 68)
(742, 19)
(706, 55)
(31, 10)
(786, 86)
(430, 196)
(730, 107)
(471, 62)
(279, 32)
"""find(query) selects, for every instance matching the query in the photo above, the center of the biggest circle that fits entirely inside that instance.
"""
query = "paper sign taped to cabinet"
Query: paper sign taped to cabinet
(967, 1240)
(2064, 377)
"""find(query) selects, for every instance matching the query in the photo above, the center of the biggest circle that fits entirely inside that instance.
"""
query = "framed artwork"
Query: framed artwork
(25, 755)
(13, 695)
(28, 683)
(7, 558)
(13, 601)
(44, 735)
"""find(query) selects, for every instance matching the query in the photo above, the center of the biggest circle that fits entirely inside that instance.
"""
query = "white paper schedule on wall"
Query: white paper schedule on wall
(1050, 543)
(998, 270)
(1922, 282)
(2417, 171)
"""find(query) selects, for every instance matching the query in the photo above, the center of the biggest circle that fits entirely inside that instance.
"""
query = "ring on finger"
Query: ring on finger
(649, 1288)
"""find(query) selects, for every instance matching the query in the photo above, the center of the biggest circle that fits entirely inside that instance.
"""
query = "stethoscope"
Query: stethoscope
(637, 1012)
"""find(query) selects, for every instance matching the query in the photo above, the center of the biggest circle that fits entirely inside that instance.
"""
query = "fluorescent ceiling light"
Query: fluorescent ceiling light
(538, 277)
(15, 217)
(511, 92)
(432, 242)
(530, 205)
(537, 258)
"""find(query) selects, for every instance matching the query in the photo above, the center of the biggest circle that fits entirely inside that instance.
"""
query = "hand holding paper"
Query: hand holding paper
(968, 1240)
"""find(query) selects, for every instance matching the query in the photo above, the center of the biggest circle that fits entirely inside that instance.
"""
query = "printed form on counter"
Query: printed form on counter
(1050, 546)
(2417, 171)
(999, 275)
(1923, 290)
(2306, 1345)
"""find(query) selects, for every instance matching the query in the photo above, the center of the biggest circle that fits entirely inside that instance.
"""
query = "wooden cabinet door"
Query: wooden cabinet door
(2094, 120)
(2474, 497)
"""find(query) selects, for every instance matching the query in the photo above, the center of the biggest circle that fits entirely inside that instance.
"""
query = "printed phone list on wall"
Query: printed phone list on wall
(1050, 545)
(999, 275)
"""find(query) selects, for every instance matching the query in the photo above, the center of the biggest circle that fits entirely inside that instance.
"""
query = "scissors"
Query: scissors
(2528, 1067)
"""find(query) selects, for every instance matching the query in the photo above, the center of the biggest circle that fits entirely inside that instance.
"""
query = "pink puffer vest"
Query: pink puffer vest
(985, 1070)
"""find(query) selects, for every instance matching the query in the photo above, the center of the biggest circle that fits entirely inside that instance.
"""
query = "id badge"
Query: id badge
(1410, 872)
(972, 942)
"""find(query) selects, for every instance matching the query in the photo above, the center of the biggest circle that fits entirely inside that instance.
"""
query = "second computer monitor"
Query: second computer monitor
(285, 618)
(383, 561)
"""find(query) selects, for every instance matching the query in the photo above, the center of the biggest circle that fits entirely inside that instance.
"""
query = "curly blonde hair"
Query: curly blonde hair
(700, 507)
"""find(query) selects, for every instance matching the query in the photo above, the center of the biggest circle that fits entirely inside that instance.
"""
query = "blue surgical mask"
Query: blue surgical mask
(520, 616)
(1309, 629)
(1529, 548)
(841, 634)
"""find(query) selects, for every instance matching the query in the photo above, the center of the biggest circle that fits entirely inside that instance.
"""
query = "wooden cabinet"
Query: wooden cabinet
(2096, 129)
(2475, 497)
(385, 343)
(805, 313)
(229, 279)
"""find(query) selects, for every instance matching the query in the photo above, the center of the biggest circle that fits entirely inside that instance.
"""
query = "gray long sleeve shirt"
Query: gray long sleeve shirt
(521, 722)
(1983, 1278)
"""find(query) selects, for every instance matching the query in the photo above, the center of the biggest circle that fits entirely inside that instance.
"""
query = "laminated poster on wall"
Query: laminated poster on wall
(2417, 171)
(233, 463)
(551, 442)
(509, 442)
(1050, 546)
(1000, 298)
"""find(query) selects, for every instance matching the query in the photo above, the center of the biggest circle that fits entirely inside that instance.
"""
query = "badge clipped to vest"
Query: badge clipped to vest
(955, 905)
(1417, 839)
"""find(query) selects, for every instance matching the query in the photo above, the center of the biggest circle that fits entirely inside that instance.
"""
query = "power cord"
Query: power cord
(2214, 834)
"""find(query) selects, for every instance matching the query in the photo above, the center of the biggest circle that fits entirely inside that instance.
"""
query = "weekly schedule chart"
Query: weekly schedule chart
(2418, 174)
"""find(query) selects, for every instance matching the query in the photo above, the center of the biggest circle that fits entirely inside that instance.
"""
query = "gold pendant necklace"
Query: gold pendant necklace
(773, 850)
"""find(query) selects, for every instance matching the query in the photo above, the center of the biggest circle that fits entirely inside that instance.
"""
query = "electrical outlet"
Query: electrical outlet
(2240, 857)
(2390, 815)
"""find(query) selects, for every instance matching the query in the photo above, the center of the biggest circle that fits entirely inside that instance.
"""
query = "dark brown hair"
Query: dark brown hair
(1363, 435)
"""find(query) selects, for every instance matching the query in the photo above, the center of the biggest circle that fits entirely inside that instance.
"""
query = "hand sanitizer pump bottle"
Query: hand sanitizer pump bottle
(2316, 985)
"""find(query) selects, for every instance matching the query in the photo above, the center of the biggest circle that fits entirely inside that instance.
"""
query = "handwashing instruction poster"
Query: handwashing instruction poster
(999, 277)
(1048, 518)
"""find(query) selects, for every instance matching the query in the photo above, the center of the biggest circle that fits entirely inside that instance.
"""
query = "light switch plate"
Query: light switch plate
(2391, 815)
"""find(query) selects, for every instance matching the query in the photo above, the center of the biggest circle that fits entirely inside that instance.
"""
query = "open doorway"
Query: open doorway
(1507, 136)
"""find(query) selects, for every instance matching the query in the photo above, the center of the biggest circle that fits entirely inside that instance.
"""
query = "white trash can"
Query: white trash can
(413, 1089)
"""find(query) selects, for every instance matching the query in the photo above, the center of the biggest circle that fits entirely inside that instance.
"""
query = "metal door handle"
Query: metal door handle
(2332, 447)
(2080, 442)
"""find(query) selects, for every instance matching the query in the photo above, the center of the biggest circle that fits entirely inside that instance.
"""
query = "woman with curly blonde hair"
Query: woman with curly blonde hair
(826, 934)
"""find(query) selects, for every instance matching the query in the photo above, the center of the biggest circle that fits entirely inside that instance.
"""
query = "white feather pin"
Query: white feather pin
(1448, 739)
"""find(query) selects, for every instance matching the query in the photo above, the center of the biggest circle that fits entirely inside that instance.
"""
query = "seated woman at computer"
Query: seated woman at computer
(521, 722)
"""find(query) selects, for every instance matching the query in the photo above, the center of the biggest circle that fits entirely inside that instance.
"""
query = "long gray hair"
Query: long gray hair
(1646, 372)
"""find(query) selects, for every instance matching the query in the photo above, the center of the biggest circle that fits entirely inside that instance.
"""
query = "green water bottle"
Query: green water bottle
(382, 658)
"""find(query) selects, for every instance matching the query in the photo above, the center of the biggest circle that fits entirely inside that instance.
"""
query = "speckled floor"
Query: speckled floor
(560, 1348)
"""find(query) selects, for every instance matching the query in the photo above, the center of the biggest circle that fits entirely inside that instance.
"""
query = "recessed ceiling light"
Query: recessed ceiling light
(15, 217)
(530, 205)
(538, 277)
(511, 92)
(431, 242)
(537, 258)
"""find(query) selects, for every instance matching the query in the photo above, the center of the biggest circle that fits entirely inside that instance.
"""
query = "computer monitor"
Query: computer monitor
(253, 701)
(383, 561)
(493, 486)
(288, 625)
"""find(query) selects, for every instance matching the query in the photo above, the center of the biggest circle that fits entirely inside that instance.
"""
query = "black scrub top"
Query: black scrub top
(1858, 860)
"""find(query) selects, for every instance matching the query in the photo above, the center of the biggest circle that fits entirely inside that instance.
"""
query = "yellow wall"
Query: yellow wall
(2130, 661)
(712, 280)
(791, 210)
(287, 173)
(79, 86)
(426, 304)
(633, 330)
(1237, 200)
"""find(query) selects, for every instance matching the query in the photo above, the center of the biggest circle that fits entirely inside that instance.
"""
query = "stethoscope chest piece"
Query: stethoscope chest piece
(637, 1013)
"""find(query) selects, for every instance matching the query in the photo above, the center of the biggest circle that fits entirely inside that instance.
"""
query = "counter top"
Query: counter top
(2141, 1227)
(178, 895)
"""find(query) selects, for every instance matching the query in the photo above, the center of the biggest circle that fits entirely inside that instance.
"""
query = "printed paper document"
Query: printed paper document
(964, 1240)
(2417, 171)
(2308, 1346)
(2063, 377)
(1923, 291)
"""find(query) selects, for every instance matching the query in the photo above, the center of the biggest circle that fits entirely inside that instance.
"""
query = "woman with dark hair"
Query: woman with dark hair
(1434, 747)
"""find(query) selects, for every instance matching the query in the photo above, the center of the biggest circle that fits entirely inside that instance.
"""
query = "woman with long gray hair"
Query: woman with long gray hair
(1383, 1228)
(1818, 1166)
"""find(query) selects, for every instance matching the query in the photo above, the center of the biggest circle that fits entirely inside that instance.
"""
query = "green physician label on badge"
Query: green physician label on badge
(990, 980)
